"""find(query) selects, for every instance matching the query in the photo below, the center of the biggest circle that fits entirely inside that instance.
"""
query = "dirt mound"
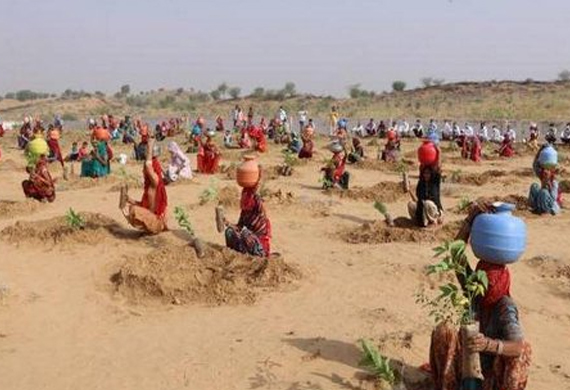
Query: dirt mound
(477, 179)
(379, 165)
(229, 196)
(11, 165)
(97, 228)
(229, 170)
(519, 201)
(405, 231)
(223, 276)
(279, 197)
(382, 192)
(10, 209)
(522, 172)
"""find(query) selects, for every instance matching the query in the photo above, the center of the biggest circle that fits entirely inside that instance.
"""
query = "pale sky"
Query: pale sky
(322, 46)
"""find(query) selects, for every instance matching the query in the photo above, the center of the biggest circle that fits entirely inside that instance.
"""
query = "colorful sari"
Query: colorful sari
(98, 164)
(252, 234)
(150, 213)
(498, 317)
(40, 185)
(208, 157)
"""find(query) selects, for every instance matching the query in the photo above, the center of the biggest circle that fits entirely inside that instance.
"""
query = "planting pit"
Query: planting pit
(382, 192)
(404, 230)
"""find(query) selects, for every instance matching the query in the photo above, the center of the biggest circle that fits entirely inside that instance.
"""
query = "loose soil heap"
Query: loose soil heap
(405, 231)
(478, 179)
(10, 209)
(97, 228)
(223, 276)
(229, 196)
(387, 192)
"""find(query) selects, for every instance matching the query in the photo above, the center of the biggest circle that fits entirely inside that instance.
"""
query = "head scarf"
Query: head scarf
(499, 283)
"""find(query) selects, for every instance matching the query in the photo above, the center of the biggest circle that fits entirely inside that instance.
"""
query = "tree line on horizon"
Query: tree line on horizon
(223, 92)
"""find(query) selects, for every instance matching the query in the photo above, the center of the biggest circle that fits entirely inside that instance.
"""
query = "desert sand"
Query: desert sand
(64, 324)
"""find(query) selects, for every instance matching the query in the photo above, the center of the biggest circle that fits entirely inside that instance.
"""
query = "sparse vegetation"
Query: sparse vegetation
(209, 194)
(398, 86)
(382, 209)
(375, 363)
(74, 220)
(183, 220)
(454, 303)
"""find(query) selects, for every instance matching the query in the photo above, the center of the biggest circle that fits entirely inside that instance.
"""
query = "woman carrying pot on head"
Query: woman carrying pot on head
(505, 354)
(546, 197)
(252, 233)
(425, 207)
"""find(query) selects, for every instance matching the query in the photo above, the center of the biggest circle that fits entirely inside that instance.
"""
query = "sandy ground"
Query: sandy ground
(63, 326)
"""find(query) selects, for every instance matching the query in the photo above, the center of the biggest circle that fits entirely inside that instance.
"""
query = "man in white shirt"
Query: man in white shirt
(358, 130)
(403, 128)
(551, 134)
(497, 137)
(447, 131)
(468, 130)
(456, 130)
(483, 132)
(512, 133)
(565, 136)
(303, 114)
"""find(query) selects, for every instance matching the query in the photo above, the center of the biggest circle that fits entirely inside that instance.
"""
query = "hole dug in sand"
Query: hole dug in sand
(404, 231)
(176, 275)
(387, 192)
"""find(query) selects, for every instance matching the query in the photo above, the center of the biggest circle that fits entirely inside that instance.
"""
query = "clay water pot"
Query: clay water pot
(427, 153)
(101, 134)
(248, 172)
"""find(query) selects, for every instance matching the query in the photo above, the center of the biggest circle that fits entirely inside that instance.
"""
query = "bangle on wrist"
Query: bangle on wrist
(500, 347)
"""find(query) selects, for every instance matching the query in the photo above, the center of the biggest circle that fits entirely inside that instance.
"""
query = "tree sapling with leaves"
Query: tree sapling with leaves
(184, 222)
(382, 209)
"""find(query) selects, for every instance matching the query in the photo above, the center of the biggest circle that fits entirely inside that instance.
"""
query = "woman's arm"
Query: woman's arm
(480, 343)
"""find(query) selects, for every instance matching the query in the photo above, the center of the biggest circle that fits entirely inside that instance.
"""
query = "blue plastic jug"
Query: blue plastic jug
(548, 157)
(498, 238)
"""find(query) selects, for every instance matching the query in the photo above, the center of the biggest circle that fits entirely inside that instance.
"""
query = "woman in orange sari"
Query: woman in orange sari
(208, 155)
(149, 214)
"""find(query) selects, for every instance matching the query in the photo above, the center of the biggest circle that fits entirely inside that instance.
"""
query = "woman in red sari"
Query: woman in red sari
(208, 155)
(308, 144)
(53, 143)
(257, 135)
(40, 185)
(335, 174)
(475, 152)
(252, 234)
(149, 214)
(507, 149)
